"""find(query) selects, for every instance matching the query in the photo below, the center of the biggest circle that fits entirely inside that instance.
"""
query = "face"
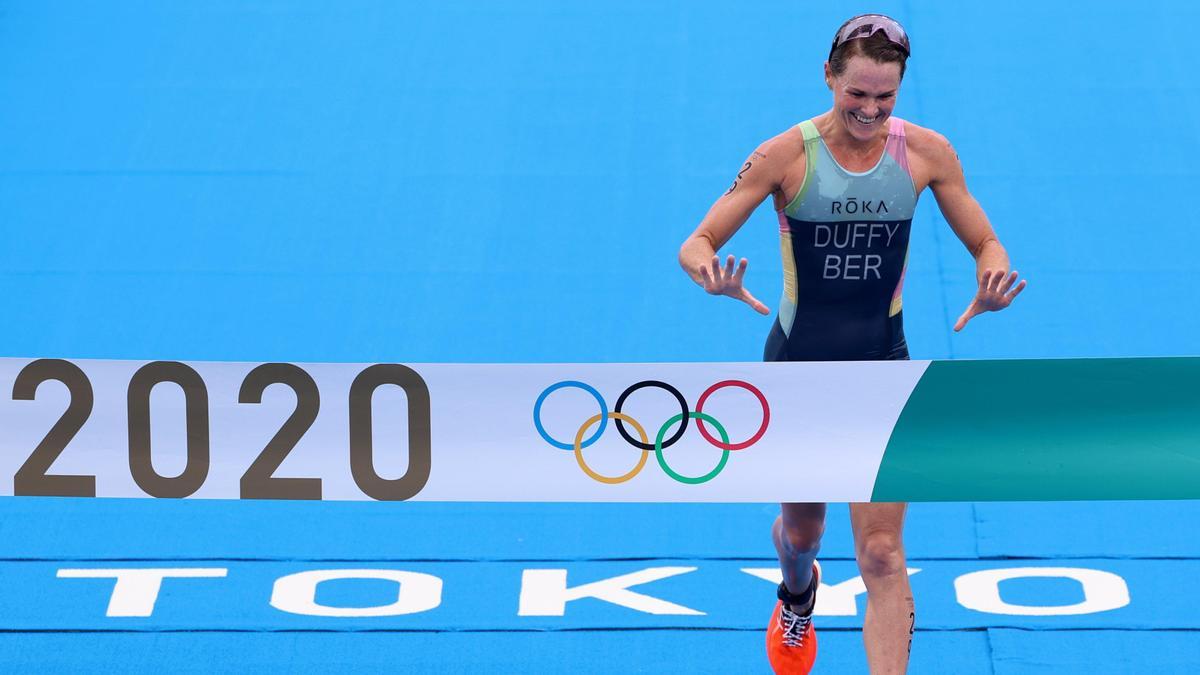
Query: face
(864, 95)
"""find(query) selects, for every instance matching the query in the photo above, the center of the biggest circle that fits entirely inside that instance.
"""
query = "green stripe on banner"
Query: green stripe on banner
(1047, 430)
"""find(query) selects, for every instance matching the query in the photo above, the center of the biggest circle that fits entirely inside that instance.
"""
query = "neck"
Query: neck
(833, 130)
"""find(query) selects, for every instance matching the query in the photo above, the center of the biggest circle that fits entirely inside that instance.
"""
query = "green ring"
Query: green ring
(658, 449)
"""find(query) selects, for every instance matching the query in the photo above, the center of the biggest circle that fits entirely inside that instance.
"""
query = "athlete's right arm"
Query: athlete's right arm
(760, 175)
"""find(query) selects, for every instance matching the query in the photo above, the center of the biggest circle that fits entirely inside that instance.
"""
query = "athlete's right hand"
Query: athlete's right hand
(729, 282)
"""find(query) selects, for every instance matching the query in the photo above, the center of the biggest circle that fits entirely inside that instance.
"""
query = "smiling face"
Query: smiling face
(864, 96)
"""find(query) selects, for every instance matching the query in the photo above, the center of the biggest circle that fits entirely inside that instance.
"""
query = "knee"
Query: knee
(798, 539)
(881, 555)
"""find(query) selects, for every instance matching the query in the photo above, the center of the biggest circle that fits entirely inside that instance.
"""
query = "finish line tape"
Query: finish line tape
(1065, 429)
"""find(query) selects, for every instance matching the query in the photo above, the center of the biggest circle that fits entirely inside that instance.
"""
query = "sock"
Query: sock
(802, 600)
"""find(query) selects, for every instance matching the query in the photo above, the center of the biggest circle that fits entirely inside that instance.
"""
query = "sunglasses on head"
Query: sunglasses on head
(866, 25)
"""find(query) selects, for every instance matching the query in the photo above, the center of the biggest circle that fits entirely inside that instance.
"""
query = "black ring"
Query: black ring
(661, 385)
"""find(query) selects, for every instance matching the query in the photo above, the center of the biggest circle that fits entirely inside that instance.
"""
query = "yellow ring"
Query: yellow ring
(579, 448)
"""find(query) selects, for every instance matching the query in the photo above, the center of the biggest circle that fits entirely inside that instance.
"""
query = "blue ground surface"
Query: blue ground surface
(464, 181)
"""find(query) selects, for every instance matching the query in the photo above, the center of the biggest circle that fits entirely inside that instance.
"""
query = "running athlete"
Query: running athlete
(845, 184)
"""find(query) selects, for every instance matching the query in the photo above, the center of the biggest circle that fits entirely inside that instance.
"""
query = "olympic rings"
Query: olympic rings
(588, 470)
(762, 429)
(662, 462)
(659, 443)
(537, 412)
(662, 385)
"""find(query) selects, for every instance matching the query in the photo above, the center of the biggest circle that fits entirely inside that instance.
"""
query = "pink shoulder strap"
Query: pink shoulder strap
(896, 145)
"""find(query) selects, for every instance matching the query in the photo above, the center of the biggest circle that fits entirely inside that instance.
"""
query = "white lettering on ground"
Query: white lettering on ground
(545, 592)
(137, 589)
(415, 592)
(1102, 591)
(832, 599)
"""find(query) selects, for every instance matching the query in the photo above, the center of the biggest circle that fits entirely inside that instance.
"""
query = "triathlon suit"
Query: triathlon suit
(844, 239)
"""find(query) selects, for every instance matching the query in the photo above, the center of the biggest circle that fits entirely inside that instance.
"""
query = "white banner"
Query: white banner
(449, 432)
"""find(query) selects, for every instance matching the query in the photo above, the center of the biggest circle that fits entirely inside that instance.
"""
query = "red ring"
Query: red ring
(748, 387)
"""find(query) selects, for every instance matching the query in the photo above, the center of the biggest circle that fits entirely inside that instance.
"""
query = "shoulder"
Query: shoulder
(772, 163)
(927, 143)
(783, 148)
(931, 152)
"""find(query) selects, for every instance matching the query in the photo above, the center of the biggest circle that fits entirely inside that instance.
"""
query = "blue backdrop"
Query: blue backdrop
(470, 181)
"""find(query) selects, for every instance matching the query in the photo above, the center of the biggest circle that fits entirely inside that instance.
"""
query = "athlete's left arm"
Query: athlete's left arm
(997, 286)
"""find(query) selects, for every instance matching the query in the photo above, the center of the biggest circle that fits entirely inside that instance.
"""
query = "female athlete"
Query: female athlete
(845, 184)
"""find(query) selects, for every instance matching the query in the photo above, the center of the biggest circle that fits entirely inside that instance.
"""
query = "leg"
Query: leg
(887, 629)
(791, 640)
(797, 534)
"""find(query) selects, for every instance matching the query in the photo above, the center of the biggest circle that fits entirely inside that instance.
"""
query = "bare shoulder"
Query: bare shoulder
(927, 143)
(932, 156)
(782, 157)
(782, 149)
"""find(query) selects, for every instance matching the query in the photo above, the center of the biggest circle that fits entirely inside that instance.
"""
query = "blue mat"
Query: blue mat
(589, 652)
(686, 593)
(461, 181)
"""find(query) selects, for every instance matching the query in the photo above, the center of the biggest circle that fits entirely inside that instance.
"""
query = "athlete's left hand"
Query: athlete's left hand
(996, 291)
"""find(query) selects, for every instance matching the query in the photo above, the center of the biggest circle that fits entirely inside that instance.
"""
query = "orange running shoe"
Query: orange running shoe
(791, 638)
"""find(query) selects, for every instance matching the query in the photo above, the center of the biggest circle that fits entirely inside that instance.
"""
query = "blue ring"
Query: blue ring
(537, 413)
